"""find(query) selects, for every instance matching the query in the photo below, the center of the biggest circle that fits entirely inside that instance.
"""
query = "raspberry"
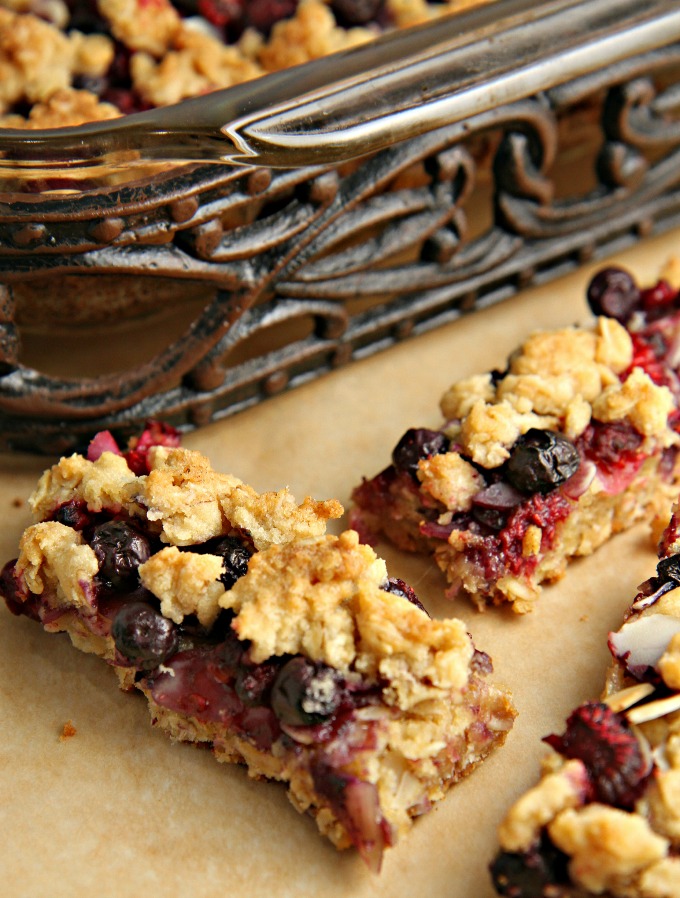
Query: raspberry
(658, 300)
(155, 433)
(221, 12)
(237, 15)
(264, 14)
(649, 353)
(603, 741)
(611, 446)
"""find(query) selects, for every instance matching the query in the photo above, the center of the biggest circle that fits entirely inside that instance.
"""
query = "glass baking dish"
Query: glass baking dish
(197, 258)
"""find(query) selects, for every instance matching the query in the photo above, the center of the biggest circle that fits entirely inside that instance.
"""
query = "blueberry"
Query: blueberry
(144, 636)
(533, 874)
(415, 444)
(541, 460)
(85, 17)
(231, 649)
(235, 557)
(614, 293)
(254, 682)
(493, 518)
(120, 548)
(304, 693)
(492, 505)
(73, 514)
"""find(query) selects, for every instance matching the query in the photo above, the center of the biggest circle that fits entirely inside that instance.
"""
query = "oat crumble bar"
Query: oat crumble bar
(605, 816)
(65, 62)
(252, 631)
(575, 440)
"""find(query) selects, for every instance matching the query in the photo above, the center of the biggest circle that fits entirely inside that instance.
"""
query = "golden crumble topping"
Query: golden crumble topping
(186, 583)
(450, 479)
(196, 63)
(145, 25)
(608, 847)
(556, 380)
(188, 500)
(561, 789)
(63, 108)
(323, 599)
(311, 33)
(37, 59)
(53, 556)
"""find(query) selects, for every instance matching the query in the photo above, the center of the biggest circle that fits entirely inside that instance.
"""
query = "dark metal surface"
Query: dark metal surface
(367, 254)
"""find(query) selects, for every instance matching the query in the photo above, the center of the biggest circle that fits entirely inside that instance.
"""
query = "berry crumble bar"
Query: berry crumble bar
(605, 815)
(251, 630)
(65, 62)
(575, 440)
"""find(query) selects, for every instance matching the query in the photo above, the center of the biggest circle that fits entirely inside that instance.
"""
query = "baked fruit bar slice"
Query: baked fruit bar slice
(251, 630)
(576, 439)
(605, 815)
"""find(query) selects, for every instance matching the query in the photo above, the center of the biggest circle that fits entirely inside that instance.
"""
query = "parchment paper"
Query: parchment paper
(116, 810)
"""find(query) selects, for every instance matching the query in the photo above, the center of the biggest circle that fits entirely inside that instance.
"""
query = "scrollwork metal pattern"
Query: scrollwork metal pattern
(366, 255)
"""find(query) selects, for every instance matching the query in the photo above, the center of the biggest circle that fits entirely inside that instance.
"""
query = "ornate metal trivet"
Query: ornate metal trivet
(369, 253)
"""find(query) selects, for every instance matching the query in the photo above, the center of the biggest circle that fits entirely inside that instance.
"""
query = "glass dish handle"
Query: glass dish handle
(356, 102)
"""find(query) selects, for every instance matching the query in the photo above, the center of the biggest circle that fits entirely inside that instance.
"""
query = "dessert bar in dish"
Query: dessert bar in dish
(66, 62)
(604, 819)
(575, 439)
(251, 630)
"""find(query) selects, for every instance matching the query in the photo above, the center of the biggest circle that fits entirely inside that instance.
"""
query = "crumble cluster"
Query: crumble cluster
(324, 599)
(184, 498)
(557, 380)
(52, 74)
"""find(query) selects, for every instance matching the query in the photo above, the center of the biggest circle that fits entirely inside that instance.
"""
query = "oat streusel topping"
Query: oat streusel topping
(188, 500)
(557, 380)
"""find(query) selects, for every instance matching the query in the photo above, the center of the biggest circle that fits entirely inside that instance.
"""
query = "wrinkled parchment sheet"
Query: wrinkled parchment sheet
(116, 810)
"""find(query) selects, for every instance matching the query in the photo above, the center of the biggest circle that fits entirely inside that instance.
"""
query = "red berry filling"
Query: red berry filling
(615, 450)
(136, 455)
(604, 742)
